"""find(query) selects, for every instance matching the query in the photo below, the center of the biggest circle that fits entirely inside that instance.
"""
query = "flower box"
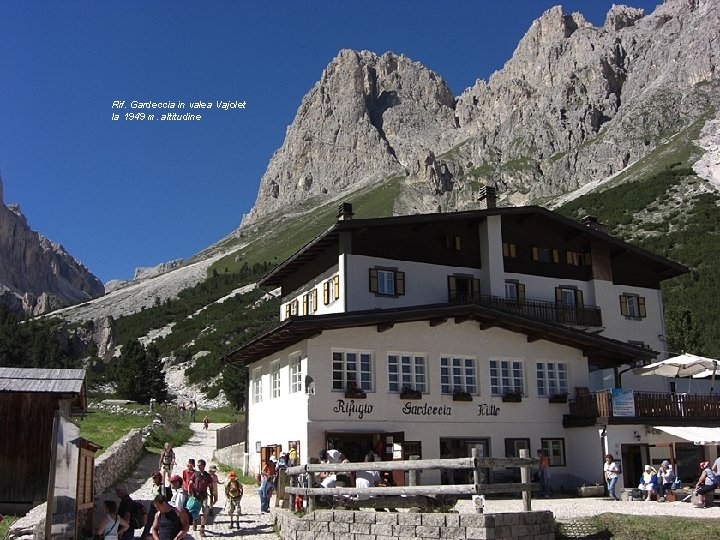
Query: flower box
(462, 396)
(409, 393)
(558, 398)
(356, 394)
(512, 397)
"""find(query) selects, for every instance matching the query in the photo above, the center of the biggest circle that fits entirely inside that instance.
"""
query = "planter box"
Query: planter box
(591, 491)
(512, 398)
(410, 395)
(559, 398)
(354, 394)
(463, 396)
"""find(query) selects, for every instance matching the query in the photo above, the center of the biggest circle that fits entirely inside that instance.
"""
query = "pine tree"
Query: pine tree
(157, 387)
(130, 372)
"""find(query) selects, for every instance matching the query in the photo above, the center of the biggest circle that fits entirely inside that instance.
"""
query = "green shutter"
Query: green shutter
(400, 283)
(641, 306)
(623, 306)
(373, 280)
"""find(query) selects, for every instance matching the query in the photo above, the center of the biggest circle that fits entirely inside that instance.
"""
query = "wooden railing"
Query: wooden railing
(231, 434)
(580, 314)
(396, 495)
(649, 405)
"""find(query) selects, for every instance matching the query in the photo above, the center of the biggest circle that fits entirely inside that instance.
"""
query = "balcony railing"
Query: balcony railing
(674, 408)
(578, 315)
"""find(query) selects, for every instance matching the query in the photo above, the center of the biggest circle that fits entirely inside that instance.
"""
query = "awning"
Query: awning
(704, 436)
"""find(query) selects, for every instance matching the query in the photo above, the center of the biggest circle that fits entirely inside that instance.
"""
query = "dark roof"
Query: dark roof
(38, 380)
(665, 267)
(601, 351)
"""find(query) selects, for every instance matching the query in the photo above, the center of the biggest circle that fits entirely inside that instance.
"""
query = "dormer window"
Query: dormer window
(387, 281)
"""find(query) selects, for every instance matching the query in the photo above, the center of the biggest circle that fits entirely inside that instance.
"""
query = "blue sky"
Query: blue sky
(122, 194)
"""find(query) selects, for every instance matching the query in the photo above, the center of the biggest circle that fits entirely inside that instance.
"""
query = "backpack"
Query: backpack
(234, 489)
(193, 507)
(138, 515)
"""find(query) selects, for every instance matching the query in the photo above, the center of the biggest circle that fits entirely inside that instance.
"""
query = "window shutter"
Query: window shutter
(458, 243)
(306, 304)
(506, 249)
(521, 292)
(558, 295)
(535, 254)
(287, 310)
(452, 288)
(513, 253)
(476, 290)
(555, 256)
(623, 306)
(568, 257)
(336, 283)
(579, 297)
(641, 306)
(373, 280)
(588, 259)
(313, 300)
(400, 283)
(326, 292)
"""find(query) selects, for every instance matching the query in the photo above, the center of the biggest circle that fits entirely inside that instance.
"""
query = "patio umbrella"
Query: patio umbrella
(684, 365)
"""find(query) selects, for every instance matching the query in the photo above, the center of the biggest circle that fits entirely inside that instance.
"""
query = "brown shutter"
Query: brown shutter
(623, 306)
(569, 257)
(326, 292)
(579, 297)
(555, 256)
(452, 288)
(373, 280)
(641, 306)
(313, 300)
(336, 283)
(458, 243)
(476, 290)
(558, 295)
(506, 249)
(400, 283)
(588, 259)
(535, 254)
(513, 253)
(287, 310)
(521, 292)
(306, 304)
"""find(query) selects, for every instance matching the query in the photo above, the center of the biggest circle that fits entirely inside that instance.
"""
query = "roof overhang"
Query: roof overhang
(601, 351)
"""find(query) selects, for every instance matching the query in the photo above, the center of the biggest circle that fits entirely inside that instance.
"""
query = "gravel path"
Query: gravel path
(253, 524)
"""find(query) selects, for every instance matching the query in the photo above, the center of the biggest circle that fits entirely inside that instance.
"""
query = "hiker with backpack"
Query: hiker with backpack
(233, 495)
(612, 473)
(200, 483)
(125, 511)
(167, 462)
(170, 523)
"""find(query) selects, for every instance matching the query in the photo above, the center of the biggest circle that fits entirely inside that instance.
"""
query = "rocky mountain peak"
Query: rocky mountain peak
(622, 17)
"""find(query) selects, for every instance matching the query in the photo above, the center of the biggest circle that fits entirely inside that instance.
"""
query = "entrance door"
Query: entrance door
(393, 450)
(634, 458)
(267, 451)
(451, 448)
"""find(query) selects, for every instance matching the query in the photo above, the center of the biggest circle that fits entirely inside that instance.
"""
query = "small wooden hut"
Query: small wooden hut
(29, 398)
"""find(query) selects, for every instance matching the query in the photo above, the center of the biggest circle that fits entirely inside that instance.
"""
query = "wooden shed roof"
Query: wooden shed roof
(39, 380)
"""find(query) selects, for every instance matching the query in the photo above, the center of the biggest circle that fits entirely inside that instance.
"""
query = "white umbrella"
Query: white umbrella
(684, 365)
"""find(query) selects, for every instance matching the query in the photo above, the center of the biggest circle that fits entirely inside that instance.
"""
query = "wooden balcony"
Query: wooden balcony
(577, 315)
(650, 408)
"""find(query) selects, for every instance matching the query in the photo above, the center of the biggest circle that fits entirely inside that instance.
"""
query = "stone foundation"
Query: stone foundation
(369, 525)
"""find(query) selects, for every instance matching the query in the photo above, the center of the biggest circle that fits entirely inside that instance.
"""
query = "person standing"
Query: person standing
(187, 474)
(125, 510)
(193, 409)
(206, 421)
(169, 523)
(167, 462)
(543, 473)
(111, 525)
(612, 472)
(233, 495)
(266, 484)
(180, 496)
(199, 488)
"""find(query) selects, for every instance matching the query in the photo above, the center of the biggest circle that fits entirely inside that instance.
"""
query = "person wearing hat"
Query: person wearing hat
(648, 482)
(179, 496)
(233, 495)
(665, 478)
(707, 482)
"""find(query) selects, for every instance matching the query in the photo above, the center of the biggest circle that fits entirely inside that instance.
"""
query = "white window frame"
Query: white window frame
(554, 450)
(296, 380)
(506, 375)
(511, 290)
(407, 370)
(458, 374)
(275, 379)
(552, 378)
(386, 282)
(352, 368)
(257, 385)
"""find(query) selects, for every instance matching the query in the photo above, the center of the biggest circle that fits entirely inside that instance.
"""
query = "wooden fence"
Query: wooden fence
(231, 434)
(392, 494)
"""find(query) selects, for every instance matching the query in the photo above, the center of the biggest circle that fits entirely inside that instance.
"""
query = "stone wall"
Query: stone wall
(112, 466)
(348, 524)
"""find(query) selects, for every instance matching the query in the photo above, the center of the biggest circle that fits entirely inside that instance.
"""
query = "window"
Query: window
(463, 289)
(407, 371)
(387, 281)
(257, 385)
(295, 373)
(352, 370)
(514, 291)
(453, 242)
(568, 299)
(545, 255)
(291, 308)
(632, 306)
(576, 258)
(555, 451)
(506, 376)
(509, 250)
(309, 302)
(275, 378)
(458, 374)
(513, 447)
(331, 290)
(551, 378)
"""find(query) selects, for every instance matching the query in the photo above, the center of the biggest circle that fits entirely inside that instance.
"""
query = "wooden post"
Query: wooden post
(311, 498)
(477, 477)
(412, 475)
(525, 478)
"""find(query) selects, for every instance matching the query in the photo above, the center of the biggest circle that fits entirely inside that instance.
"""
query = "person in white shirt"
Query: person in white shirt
(612, 472)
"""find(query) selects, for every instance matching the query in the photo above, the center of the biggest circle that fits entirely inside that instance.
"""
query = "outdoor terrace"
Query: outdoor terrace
(650, 407)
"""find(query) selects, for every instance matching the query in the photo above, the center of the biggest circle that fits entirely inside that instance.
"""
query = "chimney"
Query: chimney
(591, 222)
(345, 212)
(487, 197)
